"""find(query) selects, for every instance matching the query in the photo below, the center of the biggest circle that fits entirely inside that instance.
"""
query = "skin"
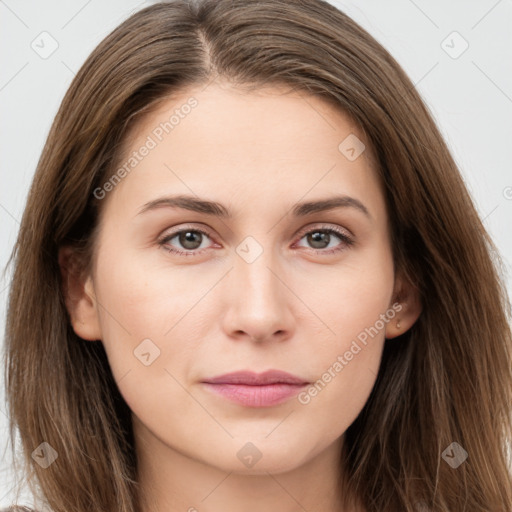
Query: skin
(291, 308)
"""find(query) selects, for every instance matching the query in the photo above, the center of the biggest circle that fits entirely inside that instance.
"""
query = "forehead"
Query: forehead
(222, 141)
(273, 118)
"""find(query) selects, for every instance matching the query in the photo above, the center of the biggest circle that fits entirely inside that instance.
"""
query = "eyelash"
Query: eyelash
(347, 241)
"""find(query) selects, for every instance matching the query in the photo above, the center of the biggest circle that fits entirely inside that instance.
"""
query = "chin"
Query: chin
(259, 457)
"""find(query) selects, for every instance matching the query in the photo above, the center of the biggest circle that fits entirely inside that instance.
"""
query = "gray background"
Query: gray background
(469, 94)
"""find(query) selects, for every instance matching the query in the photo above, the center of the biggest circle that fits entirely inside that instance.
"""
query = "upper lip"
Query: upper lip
(257, 379)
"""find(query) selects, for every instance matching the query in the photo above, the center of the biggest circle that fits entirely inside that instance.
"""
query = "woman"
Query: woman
(249, 276)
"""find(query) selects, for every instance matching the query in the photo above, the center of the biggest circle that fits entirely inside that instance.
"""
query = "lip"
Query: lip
(251, 389)
(249, 378)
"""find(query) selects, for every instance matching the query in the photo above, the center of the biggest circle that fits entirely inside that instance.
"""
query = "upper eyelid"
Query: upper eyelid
(326, 227)
(175, 232)
(315, 225)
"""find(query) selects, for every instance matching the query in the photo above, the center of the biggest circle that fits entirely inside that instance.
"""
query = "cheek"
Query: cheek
(141, 293)
(148, 313)
(139, 314)
(134, 305)
(347, 358)
(351, 296)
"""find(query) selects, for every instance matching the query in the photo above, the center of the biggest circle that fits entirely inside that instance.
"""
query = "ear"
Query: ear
(408, 308)
(79, 296)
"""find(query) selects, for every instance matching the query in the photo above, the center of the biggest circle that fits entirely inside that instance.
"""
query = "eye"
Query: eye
(320, 238)
(189, 239)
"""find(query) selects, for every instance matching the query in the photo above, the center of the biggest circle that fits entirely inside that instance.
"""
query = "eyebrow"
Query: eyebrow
(213, 208)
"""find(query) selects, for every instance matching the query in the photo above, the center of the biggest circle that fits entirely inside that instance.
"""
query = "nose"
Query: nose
(258, 301)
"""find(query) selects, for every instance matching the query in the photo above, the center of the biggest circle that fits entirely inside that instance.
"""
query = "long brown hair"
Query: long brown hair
(447, 380)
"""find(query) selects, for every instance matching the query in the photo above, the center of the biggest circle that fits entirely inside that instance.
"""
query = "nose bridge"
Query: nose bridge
(257, 304)
(254, 271)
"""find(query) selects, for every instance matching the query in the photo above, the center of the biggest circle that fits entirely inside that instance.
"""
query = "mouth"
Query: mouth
(249, 389)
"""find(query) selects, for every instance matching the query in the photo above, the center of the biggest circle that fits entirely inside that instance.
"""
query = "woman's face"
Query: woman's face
(259, 283)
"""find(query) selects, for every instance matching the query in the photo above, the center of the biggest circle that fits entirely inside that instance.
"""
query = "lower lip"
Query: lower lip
(256, 396)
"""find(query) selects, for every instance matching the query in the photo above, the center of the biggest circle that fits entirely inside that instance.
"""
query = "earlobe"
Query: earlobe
(407, 313)
(79, 296)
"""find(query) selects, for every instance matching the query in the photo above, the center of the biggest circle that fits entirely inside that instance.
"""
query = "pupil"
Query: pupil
(319, 238)
(187, 239)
